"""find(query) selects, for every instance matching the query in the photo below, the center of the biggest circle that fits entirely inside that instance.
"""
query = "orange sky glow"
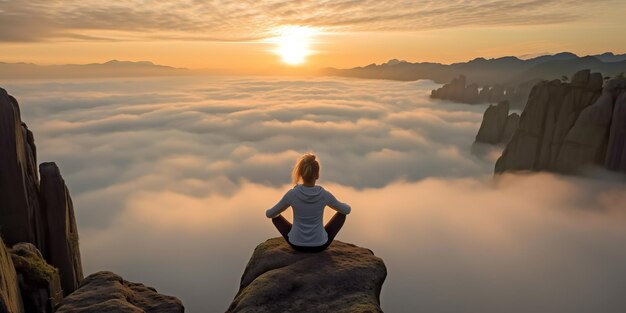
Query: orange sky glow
(246, 36)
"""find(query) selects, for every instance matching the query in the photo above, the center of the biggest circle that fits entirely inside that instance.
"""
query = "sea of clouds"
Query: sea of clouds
(171, 178)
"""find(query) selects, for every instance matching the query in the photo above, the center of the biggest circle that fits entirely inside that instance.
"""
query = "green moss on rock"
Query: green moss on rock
(31, 265)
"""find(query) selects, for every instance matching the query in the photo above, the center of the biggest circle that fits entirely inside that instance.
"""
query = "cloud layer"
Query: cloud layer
(171, 177)
(176, 132)
(37, 20)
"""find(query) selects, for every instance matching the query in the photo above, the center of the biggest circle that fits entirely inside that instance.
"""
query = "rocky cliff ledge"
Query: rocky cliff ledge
(107, 292)
(37, 221)
(343, 278)
(566, 127)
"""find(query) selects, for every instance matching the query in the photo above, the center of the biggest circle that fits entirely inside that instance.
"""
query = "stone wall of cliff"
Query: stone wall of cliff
(34, 211)
(567, 127)
(37, 221)
(19, 182)
(62, 249)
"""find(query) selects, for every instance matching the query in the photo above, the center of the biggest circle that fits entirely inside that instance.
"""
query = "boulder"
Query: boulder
(20, 217)
(106, 292)
(343, 278)
(39, 282)
(10, 298)
(61, 246)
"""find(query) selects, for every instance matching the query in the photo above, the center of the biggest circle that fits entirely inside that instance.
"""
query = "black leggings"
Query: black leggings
(332, 228)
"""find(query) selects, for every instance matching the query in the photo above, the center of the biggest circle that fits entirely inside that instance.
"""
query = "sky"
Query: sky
(171, 177)
(240, 36)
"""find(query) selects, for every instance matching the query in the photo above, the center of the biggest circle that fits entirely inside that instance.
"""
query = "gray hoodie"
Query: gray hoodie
(308, 205)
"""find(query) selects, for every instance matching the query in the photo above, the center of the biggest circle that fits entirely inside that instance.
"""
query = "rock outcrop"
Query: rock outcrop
(10, 298)
(19, 184)
(37, 220)
(62, 249)
(343, 278)
(106, 292)
(458, 91)
(497, 125)
(567, 127)
(39, 282)
(34, 211)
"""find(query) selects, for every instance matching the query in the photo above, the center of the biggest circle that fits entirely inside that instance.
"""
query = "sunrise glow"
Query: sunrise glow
(293, 43)
(312, 156)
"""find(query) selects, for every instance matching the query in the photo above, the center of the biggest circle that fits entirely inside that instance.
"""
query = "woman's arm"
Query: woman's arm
(281, 206)
(336, 205)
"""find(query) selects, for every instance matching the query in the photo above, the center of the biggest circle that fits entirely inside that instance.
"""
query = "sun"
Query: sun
(293, 43)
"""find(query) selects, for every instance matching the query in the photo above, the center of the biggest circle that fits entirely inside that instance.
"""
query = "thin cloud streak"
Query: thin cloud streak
(41, 20)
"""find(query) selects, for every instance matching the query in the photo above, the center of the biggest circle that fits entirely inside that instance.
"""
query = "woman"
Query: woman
(307, 234)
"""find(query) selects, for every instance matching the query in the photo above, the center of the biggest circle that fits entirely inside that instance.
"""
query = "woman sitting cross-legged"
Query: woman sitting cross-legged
(308, 233)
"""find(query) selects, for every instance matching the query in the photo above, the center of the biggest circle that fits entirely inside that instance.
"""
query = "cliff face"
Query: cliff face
(497, 125)
(39, 214)
(343, 278)
(566, 127)
(19, 183)
(62, 249)
(37, 220)
(616, 150)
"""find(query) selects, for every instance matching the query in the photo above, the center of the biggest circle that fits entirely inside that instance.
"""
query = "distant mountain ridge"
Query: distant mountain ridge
(508, 70)
(112, 68)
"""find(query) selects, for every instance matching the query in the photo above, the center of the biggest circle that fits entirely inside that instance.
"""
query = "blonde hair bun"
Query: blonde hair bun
(307, 169)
